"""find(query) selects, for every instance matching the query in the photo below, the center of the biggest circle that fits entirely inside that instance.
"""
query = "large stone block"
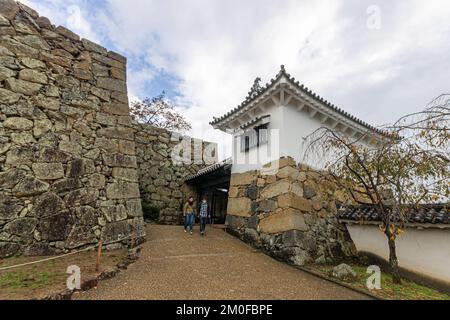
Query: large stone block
(32, 63)
(233, 192)
(4, 147)
(97, 181)
(112, 84)
(108, 61)
(115, 213)
(252, 192)
(117, 133)
(92, 46)
(293, 201)
(289, 219)
(122, 97)
(9, 9)
(48, 171)
(126, 147)
(293, 238)
(116, 231)
(287, 172)
(266, 206)
(48, 154)
(281, 163)
(56, 228)
(71, 147)
(81, 197)
(33, 76)
(22, 138)
(65, 185)
(6, 73)
(8, 249)
(30, 186)
(9, 207)
(122, 190)
(106, 144)
(47, 103)
(33, 41)
(67, 33)
(8, 97)
(19, 155)
(23, 227)
(86, 215)
(118, 57)
(10, 178)
(241, 179)
(81, 236)
(134, 208)
(80, 167)
(119, 160)
(16, 123)
(47, 205)
(116, 108)
(275, 189)
(24, 87)
(235, 222)
(41, 127)
(310, 190)
(241, 207)
(125, 174)
(20, 49)
(39, 249)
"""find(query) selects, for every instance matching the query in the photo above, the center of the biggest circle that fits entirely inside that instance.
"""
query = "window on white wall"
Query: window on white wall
(254, 138)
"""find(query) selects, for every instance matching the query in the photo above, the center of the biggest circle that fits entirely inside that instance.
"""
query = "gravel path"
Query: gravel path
(177, 266)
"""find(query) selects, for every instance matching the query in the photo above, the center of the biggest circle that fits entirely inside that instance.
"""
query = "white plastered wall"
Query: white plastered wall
(423, 251)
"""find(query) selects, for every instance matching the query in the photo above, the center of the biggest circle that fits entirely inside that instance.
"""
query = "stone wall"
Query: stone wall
(67, 158)
(162, 172)
(291, 215)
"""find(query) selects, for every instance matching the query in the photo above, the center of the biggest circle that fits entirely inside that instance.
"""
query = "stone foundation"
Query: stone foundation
(291, 215)
(67, 158)
(162, 174)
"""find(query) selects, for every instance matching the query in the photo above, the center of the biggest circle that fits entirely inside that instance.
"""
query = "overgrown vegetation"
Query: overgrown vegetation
(159, 112)
(49, 277)
(408, 290)
(32, 280)
(396, 170)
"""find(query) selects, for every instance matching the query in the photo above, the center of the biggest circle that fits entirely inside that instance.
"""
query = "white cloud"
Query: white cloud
(216, 48)
(73, 14)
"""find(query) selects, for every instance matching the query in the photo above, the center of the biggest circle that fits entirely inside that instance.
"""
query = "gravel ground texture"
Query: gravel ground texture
(178, 266)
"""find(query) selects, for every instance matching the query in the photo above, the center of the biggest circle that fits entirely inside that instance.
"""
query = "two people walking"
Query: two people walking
(190, 212)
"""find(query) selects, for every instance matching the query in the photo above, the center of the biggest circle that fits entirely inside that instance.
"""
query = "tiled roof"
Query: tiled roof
(256, 93)
(429, 214)
(210, 169)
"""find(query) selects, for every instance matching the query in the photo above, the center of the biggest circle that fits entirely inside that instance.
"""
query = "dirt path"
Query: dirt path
(175, 265)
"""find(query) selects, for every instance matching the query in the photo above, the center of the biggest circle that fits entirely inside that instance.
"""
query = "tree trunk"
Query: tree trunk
(393, 262)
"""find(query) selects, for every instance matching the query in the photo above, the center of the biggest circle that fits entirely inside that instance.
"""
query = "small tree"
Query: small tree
(396, 171)
(159, 112)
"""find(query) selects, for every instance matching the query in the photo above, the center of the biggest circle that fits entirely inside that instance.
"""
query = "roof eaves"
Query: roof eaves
(306, 91)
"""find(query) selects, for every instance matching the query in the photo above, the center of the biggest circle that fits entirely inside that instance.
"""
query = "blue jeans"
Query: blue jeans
(203, 221)
(189, 221)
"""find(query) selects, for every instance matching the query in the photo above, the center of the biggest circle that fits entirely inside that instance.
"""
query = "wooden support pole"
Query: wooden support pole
(99, 255)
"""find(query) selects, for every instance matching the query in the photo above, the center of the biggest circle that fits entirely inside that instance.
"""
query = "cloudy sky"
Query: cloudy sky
(205, 54)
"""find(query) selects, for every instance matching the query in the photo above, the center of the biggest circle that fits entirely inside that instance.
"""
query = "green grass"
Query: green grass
(408, 290)
(32, 280)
